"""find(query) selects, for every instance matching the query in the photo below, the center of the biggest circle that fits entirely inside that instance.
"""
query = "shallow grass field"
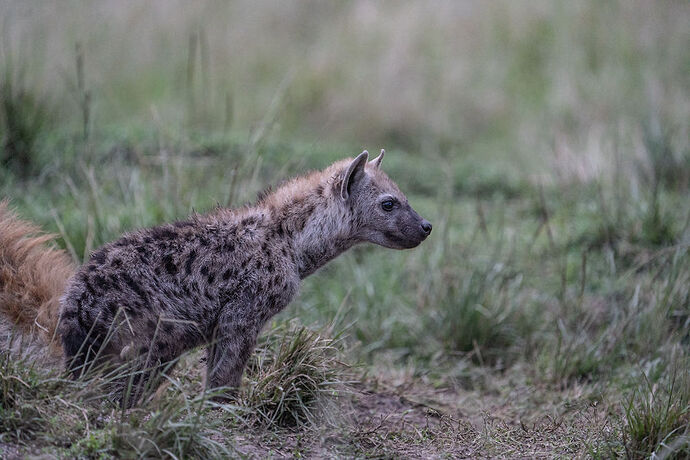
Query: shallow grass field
(548, 314)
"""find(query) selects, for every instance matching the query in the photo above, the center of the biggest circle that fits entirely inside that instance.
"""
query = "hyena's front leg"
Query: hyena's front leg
(228, 354)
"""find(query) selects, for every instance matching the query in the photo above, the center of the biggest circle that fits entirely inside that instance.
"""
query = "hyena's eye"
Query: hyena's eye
(387, 205)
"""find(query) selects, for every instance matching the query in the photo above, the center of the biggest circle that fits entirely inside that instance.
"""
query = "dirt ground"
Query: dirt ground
(380, 420)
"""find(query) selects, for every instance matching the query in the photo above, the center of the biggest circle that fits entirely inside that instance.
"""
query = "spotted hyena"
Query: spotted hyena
(216, 279)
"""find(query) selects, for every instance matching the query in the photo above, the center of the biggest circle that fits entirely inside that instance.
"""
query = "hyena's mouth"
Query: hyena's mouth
(402, 241)
(397, 240)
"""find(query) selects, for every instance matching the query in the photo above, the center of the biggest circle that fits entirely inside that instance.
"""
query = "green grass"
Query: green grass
(296, 376)
(657, 416)
(548, 313)
(25, 116)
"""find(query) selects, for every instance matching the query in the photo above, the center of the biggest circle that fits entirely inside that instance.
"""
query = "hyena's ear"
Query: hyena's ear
(376, 162)
(354, 173)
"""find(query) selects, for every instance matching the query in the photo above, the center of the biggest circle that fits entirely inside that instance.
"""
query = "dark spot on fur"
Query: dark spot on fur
(117, 262)
(163, 233)
(204, 270)
(226, 295)
(98, 257)
(134, 286)
(170, 266)
(86, 316)
(69, 314)
(270, 267)
(225, 246)
(211, 278)
(125, 241)
(101, 281)
(300, 224)
(115, 281)
(89, 288)
(248, 221)
(226, 274)
(190, 260)
(319, 190)
(183, 224)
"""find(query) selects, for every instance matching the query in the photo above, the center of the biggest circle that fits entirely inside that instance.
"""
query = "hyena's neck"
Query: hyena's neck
(308, 213)
(325, 236)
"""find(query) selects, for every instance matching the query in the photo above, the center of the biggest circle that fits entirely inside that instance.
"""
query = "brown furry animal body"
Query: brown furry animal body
(32, 279)
(213, 279)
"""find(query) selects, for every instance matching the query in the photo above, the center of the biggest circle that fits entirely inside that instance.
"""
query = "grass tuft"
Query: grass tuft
(293, 375)
(657, 417)
(24, 118)
(479, 312)
(175, 426)
(24, 392)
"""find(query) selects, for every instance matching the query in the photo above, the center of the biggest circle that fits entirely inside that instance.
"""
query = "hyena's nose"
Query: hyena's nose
(426, 227)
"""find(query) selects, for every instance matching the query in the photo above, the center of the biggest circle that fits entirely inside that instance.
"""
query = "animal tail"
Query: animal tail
(33, 276)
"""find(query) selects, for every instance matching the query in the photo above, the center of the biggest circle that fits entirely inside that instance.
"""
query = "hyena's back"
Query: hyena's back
(164, 290)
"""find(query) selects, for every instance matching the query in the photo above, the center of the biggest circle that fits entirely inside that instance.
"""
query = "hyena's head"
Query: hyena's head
(381, 213)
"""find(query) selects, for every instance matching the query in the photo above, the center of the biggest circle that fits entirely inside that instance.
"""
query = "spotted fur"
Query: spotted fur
(216, 279)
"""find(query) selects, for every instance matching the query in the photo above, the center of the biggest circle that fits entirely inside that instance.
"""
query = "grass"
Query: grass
(548, 314)
(295, 376)
(658, 416)
(24, 117)
(24, 391)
